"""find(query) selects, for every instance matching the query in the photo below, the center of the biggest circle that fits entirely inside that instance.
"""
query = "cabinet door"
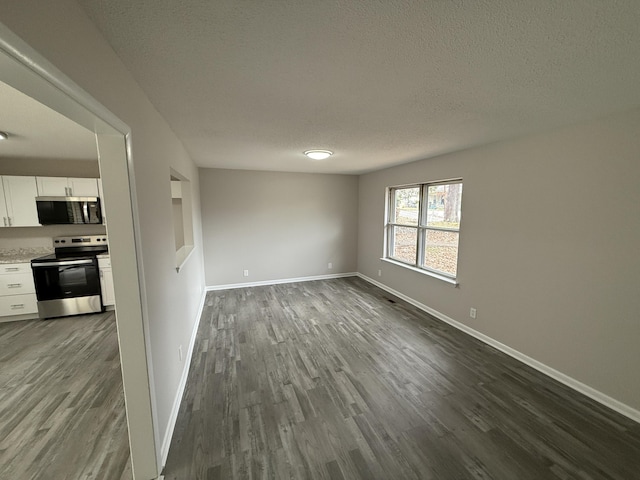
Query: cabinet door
(17, 284)
(3, 207)
(20, 195)
(102, 207)
(83, 187)
(18, 305)
(53, 186)
(106, 285)
(11, 268)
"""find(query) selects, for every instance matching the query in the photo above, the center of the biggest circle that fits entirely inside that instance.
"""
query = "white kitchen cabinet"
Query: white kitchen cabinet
(16, 283)
(83, 187)
(3, 207)
(14, 268)
(52, 186)
(18, 202)
(17, 292)
(102, 207)
(15, 305)
(106, 281)
(67, 187)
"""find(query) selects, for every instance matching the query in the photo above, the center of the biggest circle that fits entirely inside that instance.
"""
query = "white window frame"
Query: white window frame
(421, 229)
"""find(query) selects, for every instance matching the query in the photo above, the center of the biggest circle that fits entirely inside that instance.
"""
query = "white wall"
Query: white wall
(63, 34)
(277, 225)
(49, 167)
(548, 247)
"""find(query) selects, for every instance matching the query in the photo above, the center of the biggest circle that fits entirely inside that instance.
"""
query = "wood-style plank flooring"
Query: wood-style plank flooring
(336, 379)
(62, 410)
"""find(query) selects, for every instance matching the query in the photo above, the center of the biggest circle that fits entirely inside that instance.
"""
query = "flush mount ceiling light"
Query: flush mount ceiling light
(318, 154)
(3, 135)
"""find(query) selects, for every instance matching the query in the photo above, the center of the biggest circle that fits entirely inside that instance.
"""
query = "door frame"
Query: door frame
(24, 69)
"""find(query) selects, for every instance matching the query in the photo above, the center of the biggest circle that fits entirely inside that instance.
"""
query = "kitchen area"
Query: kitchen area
(72, 274)
(60, 374)
(52, 207)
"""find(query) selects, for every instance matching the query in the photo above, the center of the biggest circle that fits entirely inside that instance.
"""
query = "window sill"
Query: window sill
(452, 281)
(182, 256)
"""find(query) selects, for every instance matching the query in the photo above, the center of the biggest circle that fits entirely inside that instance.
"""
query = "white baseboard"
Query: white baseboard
(173, 417)
(282, 280)
(590, 392)
(18, 318)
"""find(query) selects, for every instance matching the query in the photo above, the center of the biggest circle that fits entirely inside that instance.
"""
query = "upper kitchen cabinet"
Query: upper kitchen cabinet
(83, 187)
(53, 186)
(17, 202)
(67, 187)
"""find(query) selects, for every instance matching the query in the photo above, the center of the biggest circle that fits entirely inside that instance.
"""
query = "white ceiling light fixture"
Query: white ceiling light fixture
(4, 135)
(318, 154)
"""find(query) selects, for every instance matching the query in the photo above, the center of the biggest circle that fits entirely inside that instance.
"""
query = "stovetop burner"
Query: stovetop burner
(53, 257)
(76, 248)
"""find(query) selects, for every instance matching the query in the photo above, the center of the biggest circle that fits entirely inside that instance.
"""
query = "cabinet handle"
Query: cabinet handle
(17, 306)
(14, 285)
(5, 221)
(9, 220)
(11, 269)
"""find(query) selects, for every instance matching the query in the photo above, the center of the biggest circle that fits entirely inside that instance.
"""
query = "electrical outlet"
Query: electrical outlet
(330, 265)
(180, 352)
(379, 273)
(246, 273)
(472, 312)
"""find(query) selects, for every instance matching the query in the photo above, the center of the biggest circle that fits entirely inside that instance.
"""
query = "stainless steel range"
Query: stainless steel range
(68, 281)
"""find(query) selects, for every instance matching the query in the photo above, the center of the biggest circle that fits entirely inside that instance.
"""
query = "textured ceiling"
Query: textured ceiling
(36, 131)
(251, 84)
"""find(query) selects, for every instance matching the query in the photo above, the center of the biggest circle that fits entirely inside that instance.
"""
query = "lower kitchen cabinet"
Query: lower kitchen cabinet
(11, 305)
(106, 281)
(17, 292)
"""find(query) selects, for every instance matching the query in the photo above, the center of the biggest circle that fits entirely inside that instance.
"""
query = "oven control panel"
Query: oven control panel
(76, 241)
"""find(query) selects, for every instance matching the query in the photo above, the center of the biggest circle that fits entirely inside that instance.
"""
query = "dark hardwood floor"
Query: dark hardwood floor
(62, 410)
(336, 379)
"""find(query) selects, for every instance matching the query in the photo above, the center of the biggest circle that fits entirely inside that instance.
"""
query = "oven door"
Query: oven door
(66, 278)
(67, 287)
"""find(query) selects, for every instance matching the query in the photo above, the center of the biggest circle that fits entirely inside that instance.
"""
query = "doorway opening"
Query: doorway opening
(24, 69)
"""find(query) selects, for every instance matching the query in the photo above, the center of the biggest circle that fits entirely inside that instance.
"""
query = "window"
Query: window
(423, 226)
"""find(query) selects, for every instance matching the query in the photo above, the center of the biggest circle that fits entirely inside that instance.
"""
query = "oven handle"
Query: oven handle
(62, 264)
(85, 211)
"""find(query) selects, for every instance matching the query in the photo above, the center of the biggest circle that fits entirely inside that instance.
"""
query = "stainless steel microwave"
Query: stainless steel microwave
(68, 210)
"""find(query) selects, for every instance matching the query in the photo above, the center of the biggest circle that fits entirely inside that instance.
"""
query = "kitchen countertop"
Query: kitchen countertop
(22, 255)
